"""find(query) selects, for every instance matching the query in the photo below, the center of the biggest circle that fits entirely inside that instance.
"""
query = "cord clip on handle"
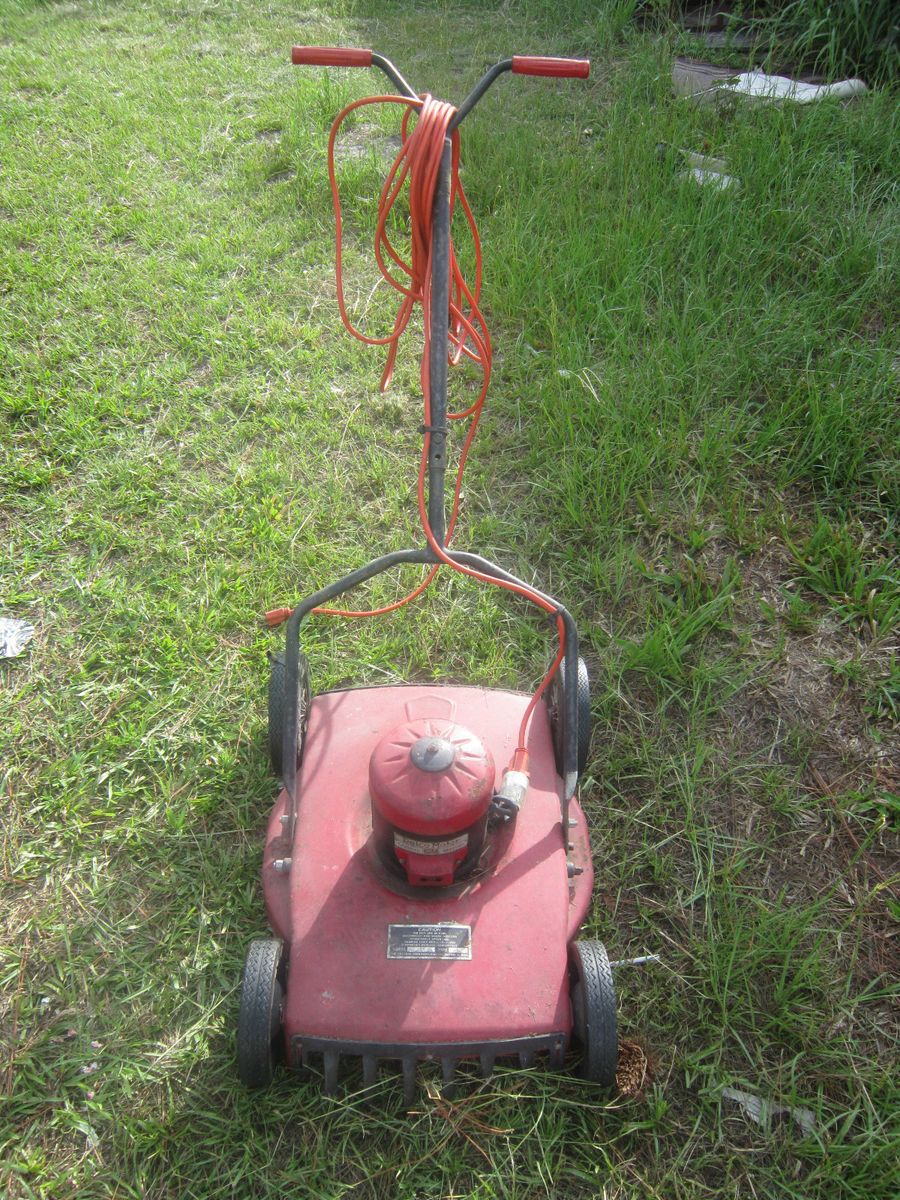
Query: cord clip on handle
(557, 68)
(329, 56)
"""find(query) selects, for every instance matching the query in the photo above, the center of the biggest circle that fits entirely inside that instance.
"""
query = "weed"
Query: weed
(837, 564)
(835, 37)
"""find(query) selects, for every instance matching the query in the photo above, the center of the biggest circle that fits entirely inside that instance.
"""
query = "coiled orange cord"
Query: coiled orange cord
(418, 163)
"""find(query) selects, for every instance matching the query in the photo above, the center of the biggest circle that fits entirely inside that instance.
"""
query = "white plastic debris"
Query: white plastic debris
(704, 162)
(14, 636)
(640, 961)
(703, 169)
(775, 89)
(707, 84)
(714, 179)
(708, 172)
(762, 1111)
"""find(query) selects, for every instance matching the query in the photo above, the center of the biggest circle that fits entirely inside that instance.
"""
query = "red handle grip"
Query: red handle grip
(559, 68)
(329, 56)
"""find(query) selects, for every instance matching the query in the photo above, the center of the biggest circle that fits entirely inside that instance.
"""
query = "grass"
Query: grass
(838, 38)
(691, 438)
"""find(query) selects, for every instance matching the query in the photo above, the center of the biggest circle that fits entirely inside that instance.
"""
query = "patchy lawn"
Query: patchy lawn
(691, 438)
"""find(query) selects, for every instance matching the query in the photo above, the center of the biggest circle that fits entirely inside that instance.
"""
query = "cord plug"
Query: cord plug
(510, 796)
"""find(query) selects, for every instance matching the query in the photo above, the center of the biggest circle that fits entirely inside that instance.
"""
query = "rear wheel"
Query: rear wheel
(594, 1013)
(583, 714)
(259, 1022)
(278, 708)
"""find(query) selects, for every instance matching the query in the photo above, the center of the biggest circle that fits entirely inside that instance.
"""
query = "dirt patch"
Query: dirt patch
(802, 761)
(803, 716)
(117, 244)
(200, 373)
(364, 140)
(807, 694)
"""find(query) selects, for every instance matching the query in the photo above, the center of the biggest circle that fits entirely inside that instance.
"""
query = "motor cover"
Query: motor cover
(431, 783)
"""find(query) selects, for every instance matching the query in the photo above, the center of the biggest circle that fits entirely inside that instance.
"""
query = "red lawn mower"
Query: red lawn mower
(423, 906)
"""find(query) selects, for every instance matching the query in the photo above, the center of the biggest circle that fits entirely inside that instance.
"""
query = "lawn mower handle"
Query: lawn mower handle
(330, 56)
(519, 64)
(556, 68)
(337, 56)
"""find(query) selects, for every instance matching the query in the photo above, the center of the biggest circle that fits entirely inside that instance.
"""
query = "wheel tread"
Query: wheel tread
(278, 707)
(583, 710)
(259, 1021)
(599, 1036)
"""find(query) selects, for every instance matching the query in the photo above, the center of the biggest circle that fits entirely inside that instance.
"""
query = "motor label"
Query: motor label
(414, 846)
(429, 941)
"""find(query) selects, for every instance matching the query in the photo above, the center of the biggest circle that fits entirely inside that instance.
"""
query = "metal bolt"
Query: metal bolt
(285, 818)
(573, 870)
(281, 865)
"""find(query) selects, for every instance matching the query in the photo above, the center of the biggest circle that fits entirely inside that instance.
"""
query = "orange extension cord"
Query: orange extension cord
(418, 162)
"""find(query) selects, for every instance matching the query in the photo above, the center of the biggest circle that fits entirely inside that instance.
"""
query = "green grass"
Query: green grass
(691, 438)
(836, 37)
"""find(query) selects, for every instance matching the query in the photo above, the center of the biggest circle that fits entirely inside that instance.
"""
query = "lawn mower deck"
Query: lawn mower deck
(379, 969)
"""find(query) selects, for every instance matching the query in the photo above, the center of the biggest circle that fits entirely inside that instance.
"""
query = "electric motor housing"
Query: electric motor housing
(431, 783)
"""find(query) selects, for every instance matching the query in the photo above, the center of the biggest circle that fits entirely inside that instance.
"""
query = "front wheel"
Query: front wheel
(259, 1022)
(594, 1013)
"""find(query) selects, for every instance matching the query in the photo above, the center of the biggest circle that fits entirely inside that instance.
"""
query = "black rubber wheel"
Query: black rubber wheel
(594, 1013)
(278, 709)
(259, 1022)
(555, 704)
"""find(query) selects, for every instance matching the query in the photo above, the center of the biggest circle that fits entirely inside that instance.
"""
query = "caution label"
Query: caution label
(414, 846)
(429, 941)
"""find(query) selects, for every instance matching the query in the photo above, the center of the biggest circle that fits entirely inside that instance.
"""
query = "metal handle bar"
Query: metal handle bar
(519, 64)
(336, 56)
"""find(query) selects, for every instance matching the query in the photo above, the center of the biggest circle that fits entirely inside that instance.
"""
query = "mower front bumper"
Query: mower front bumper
(522, 1052)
